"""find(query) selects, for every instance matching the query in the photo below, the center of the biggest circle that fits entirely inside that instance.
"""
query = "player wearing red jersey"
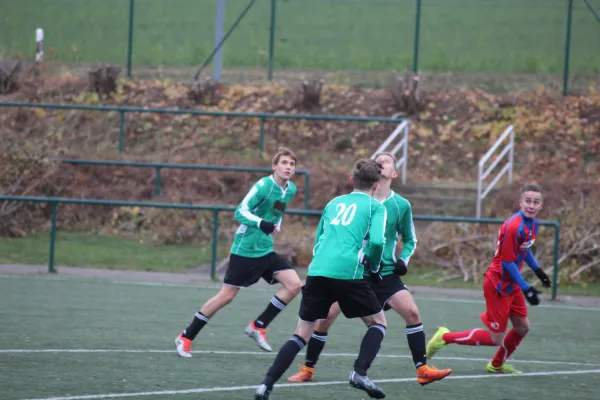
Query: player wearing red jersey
(504, 288)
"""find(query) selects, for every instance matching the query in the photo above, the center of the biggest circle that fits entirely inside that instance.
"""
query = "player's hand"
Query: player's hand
(267, 227)
(400, 269)
(543, 278)
(531, 295)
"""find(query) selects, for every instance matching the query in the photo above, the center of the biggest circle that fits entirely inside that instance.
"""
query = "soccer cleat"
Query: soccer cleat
(304, 375)
(262, 393)
(184, 346)
(259, 335)
(364, 383)
(436, 342)
(503, 369)
(427, 374)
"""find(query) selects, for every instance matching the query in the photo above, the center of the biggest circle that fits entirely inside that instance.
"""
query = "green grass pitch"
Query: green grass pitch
(95, 339)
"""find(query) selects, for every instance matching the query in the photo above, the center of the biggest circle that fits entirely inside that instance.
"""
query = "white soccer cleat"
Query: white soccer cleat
(184, 346)
(259, 335)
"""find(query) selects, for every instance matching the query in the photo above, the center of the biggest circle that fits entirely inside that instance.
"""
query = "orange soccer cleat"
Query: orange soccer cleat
(427, 374)
(305, 374)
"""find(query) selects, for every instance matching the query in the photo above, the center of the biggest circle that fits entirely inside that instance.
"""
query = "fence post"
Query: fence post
(261, 143)
(121, 132)
(130, 41)
(51, 268)
(417, 36)
(567, 49)
(215, 238)
(157, 184)
(272, 40)
(556, 256)
(218, 64)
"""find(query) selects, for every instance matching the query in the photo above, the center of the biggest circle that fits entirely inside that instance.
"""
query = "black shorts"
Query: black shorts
(386, 288)
(246, 271)
(355, 297)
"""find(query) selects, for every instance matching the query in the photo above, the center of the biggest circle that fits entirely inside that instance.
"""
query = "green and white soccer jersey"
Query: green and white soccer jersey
(267, 201)
(399, 223)
(351, 225)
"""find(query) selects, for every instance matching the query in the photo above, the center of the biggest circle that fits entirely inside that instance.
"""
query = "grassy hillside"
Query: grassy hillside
(508, 36)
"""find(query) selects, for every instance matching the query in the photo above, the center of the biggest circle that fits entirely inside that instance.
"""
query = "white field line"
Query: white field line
(251, 387)
(217, 286)
(262, 353)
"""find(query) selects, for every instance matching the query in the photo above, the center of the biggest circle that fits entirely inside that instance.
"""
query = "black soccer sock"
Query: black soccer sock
(275, 307)
(197, 323)
(314, 349)
(369, 348)
(416, 341)
(284, 359)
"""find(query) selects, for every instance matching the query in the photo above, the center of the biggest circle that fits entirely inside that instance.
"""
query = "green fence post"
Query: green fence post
(215, 239)
(306, 196)
(157, 185)
(417, 37)
(51, 268)
(121, 132)
(556, 256)
(261, 143)
(272, 40)
(130, 41)
(567, 49)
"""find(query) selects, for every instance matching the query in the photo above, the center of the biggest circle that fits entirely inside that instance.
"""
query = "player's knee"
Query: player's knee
(497, 338)
(295, 287)
(226, 296)
(412, 316)
(324, 325)
(522, 330)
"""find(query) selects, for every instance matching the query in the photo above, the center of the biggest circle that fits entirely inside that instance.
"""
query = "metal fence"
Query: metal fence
(262, 117)
(549, 40)
(216, 209)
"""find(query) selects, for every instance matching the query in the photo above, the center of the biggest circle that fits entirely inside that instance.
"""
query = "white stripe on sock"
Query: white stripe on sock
(201, 317)
(380, 327)
(319, 337)
(414, 329)
(277, 303)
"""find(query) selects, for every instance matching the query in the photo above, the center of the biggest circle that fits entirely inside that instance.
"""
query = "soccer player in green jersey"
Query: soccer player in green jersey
(349, 239)
(252, 256)
(391, 291)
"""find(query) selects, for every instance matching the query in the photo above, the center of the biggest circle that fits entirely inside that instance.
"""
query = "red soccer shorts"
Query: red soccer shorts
(499, 308)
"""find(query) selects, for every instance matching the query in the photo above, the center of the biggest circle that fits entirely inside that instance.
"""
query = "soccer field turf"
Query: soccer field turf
(95, 339)
(508, 36)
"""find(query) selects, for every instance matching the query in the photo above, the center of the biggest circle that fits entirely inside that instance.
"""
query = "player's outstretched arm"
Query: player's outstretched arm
(374, 249)
(406, 228)
(252, 200)
(539, 272)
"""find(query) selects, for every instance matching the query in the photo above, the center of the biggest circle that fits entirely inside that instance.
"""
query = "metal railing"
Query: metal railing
(159, 166)
(508, 167)
(54, 201)
(403, 144)
(261, 116)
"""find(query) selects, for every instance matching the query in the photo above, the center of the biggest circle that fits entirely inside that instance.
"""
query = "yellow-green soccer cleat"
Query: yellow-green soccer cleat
(503, 369)
(436, 342)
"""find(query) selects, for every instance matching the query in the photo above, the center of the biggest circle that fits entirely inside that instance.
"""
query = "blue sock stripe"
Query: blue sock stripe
(298, 341)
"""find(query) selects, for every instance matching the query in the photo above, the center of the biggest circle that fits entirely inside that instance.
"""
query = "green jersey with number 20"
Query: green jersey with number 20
(265, 200)
(351, 226)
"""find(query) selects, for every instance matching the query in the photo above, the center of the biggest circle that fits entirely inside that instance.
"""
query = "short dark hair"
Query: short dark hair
(284, 151)
(366, 173)
(532, 187)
